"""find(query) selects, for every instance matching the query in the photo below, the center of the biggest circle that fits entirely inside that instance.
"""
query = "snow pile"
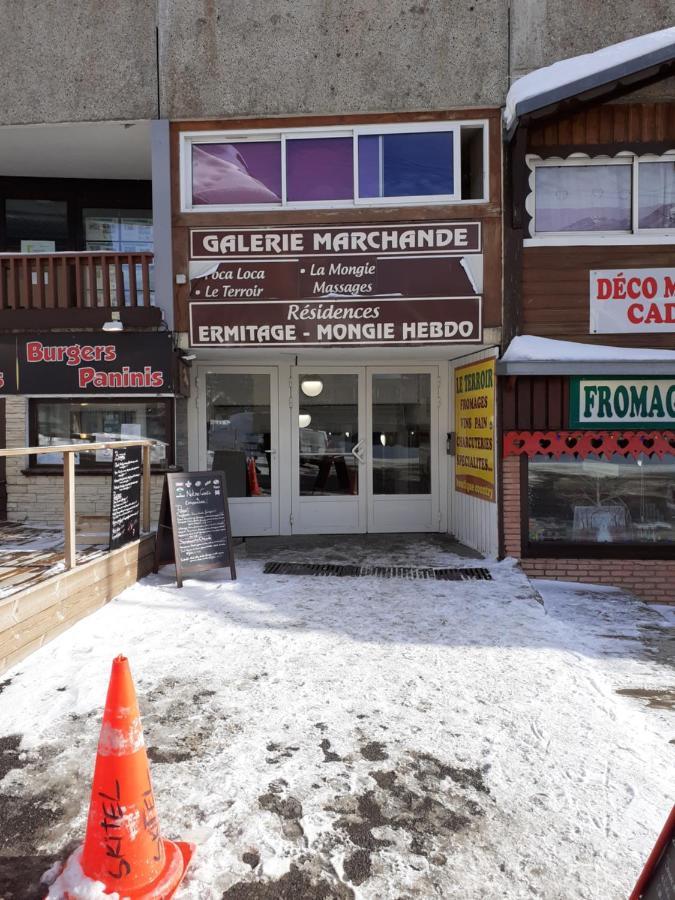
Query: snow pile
(528, 348)
(570, 71)
(73, 883)
(360, 737)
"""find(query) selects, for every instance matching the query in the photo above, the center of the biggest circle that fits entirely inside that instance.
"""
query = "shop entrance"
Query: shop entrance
(364, 449)
(324, 449)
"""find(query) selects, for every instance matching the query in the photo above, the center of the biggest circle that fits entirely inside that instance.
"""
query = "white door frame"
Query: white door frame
(249, 515)
(283, 375)
(336, 514)
(408, 512)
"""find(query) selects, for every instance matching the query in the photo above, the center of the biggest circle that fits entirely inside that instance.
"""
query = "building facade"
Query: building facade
(588, 429)
(319, 241)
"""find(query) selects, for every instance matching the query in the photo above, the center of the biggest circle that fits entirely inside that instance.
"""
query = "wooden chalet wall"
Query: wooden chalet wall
(551, 296)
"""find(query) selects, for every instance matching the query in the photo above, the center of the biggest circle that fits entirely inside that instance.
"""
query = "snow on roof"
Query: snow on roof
(572, 76)
(527, 348)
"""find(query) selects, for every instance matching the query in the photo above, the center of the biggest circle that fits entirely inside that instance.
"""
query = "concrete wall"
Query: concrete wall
(77, 60)
(252, 57)
(85, 60)
(544, 31)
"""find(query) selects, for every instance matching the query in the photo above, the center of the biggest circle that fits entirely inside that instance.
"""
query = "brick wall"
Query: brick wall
(39, 498)
(649, 579)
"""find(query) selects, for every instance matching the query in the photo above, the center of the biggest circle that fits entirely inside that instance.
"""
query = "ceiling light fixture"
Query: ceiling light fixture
(311, 387)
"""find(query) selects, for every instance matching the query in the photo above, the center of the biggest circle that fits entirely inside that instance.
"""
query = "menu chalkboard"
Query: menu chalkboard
(657, 881)
(125, 502)
(194, 524)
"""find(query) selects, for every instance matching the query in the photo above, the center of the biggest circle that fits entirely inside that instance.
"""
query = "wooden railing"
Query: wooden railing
(75, 280)
(69, 451)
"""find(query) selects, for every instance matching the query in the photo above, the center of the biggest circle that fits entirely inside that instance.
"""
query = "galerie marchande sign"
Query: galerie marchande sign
(390, 284)
(630, 404)
(632, 300)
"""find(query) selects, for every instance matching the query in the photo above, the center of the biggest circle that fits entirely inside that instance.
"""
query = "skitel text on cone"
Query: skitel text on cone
(123, 847)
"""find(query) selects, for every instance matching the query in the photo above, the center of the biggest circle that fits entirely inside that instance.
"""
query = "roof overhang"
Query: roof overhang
(597, 87)
(636, 368)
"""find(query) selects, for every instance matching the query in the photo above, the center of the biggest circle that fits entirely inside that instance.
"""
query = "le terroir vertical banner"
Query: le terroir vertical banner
(71, 362)
(475, 429)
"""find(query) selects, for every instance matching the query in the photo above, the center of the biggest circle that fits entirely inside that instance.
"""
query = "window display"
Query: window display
(620, 500)
(91, 421)
(238, 432)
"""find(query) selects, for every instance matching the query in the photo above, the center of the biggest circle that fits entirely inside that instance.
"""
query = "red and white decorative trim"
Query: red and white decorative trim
(583, 444)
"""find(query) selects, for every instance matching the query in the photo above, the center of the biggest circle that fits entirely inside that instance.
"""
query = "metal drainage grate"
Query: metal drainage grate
(412, 573)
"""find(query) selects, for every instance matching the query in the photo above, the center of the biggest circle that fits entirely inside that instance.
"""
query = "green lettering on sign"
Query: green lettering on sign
(628, 403)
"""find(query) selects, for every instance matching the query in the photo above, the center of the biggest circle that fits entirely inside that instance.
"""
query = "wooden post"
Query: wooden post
(69, 508)
(145, 522)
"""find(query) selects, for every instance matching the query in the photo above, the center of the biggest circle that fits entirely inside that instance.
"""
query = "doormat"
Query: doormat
(347, 571)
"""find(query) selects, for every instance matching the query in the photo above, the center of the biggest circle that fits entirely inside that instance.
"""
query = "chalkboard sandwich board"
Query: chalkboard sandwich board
(657, 881)
(125, 500)
(194, 524)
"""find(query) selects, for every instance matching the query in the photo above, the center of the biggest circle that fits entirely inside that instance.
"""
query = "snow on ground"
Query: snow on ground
(367, 738)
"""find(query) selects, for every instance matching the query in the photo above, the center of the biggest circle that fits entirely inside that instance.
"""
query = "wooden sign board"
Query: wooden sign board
(194, 524)
(657, 881)
(125, 501)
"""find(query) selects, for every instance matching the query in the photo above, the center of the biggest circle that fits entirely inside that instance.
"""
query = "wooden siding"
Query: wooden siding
(32, 617)
(612, 123)
(535, 403)
(555, 290)
(489, 214)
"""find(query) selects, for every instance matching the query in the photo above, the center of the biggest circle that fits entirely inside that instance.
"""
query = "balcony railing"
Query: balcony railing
(76, 281)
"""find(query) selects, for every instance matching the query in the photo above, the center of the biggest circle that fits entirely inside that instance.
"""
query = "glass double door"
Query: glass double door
(322, 450)
(364, 444)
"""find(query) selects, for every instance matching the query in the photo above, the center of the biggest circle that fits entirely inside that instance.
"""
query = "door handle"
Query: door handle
(358, 451)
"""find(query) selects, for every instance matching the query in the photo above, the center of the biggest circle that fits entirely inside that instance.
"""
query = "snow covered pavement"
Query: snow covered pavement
(356, 737)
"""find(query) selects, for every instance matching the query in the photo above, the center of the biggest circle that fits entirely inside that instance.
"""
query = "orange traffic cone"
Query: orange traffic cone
(123, 847)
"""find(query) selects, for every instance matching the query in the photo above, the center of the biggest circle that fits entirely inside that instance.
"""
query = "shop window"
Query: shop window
(55, 422)
(601, 502)
(406, 165)
(238, 431)
(657, 194)
(120, 230)
(342, 166)
(401, 434)
(319, 169)
(583, 198)
(236, 173)
(625, 195)
(31, 221)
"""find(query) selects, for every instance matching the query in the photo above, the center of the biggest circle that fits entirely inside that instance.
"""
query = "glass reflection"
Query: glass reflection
(328, 428)
(616, 500)
(401, 434)
(238, 432)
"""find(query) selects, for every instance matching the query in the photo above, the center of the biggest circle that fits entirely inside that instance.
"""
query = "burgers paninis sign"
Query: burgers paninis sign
(390, 284)
(82, 363)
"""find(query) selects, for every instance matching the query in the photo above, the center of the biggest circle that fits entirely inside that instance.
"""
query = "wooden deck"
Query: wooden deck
(40, 598)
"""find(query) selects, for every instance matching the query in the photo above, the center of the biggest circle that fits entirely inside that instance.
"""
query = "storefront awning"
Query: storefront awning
(530, 355)
(589, 76)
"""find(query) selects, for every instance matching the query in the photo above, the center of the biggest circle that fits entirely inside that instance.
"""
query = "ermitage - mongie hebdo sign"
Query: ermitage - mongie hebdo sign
(632, 300)
(630, 404)
(387, 284)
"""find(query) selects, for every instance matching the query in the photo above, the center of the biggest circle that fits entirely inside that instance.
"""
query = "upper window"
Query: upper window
(313, 167)
(624, 195)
